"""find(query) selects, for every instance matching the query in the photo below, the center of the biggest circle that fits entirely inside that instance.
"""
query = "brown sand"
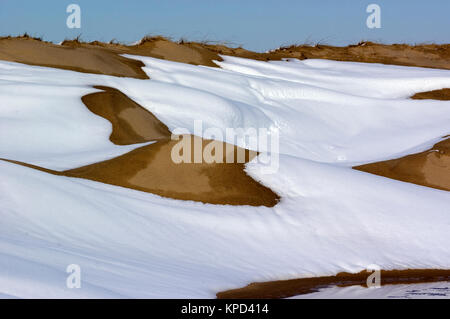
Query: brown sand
(104, 58)
(430, 168)
(162, 48)
(151, 169)
(131, 123)
(443, 95)
(96, 60)
(289, 288)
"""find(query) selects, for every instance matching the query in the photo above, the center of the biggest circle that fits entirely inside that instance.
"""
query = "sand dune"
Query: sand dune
(429, 168)
(79, 58)
(151, 168)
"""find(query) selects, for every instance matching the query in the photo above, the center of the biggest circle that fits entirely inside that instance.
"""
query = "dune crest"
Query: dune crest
(79, 58)
(105, 58)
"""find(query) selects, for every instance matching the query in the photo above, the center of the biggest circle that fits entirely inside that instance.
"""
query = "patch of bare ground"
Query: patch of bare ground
(294, 287)
(429, 168)
(151, 168)
(97, 60)
(163, 48)
(131, 123)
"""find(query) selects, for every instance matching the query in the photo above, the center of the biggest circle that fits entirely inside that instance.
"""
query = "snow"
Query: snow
(326, 111)
(140, 245)
(133, 244)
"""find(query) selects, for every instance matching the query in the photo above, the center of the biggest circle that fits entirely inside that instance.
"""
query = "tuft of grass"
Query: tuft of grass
(153, 38)
(25, 35)
(115, 42)
(76, 40)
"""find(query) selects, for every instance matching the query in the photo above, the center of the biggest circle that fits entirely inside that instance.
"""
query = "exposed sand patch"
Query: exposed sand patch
(131, 123)
(96, 60)
(162, 48)
(151, 168)
(102, 58)
(443, 95)
(289, 288)
(430, 168)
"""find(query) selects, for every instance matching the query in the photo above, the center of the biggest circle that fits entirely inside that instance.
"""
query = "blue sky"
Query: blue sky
(256, 25)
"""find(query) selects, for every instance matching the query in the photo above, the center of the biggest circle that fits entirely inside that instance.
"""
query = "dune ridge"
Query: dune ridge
(105, 58)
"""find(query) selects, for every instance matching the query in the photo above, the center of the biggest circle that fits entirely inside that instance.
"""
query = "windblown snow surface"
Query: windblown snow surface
(329, 115)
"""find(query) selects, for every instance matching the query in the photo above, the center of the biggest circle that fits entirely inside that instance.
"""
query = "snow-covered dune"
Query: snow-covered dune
(331, 218)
